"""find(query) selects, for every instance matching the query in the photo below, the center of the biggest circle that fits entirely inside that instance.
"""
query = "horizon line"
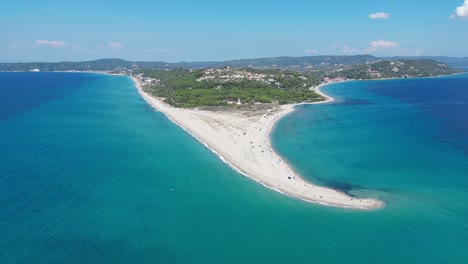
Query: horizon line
(228, 60)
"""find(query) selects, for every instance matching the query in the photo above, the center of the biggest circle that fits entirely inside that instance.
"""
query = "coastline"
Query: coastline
(243, 142)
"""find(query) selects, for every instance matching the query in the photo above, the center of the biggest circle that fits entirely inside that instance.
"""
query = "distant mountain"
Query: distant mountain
(394, 69)
(317, 64)
(297, 63)
(455, 62)
(302, 63)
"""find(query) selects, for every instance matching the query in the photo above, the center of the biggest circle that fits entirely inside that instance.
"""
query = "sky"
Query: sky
(176, 30)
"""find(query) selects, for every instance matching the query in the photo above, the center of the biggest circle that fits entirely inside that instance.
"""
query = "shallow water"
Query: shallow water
(89, 173)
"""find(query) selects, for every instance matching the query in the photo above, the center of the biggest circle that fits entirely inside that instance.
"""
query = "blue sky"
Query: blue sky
(219, 30)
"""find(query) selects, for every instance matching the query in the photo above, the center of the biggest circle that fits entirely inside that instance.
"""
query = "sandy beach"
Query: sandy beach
(242, 140)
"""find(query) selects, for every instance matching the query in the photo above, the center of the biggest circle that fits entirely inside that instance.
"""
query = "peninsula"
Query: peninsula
(239, 134)
(232, 106)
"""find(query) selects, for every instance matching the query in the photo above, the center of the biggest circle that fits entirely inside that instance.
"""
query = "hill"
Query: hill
(394, 69)
(296, 63)
(454, 62)
(312, 64)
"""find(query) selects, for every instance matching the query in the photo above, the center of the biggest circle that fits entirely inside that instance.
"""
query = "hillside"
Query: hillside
(454, 62)
(312, 64)
(296, 63)
(394, 69)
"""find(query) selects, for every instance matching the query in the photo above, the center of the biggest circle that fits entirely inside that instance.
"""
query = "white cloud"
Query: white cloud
(419, 52)
(50, 43)
(384, 44)
(311, 51)
(381, 44)
(461, 11)
(339, 48)
(348, 50)
(114, 45)
(379, 15)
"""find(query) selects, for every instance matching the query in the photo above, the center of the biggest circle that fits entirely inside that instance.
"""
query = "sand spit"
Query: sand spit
(242, 140)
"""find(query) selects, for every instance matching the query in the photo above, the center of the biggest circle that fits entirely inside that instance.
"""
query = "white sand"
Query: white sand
(241, 139)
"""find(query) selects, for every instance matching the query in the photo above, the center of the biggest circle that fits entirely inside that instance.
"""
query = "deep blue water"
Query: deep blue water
(23, 91)
(89, 173)
(443, 100)
(406, 120)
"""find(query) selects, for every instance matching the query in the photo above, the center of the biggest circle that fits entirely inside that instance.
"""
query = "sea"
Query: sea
(90, 173)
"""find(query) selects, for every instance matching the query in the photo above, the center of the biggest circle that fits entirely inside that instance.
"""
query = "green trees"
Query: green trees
(395, 69)
(183, 88)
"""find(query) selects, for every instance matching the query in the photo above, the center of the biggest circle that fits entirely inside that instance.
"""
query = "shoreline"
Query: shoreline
(220, 131)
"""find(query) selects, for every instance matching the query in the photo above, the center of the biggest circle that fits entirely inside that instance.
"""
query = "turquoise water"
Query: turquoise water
(89, 173)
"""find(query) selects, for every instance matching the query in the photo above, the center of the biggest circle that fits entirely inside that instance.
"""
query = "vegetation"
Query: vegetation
(394, 69)
(279, 80)
(295, 63)
(227, 86)
(311, 64)
(454, 62)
